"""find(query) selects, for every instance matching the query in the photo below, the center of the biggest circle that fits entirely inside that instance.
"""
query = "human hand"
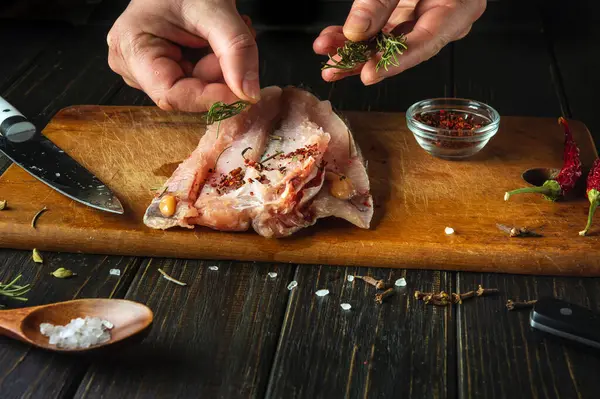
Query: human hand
(429, 26)
(145, 48)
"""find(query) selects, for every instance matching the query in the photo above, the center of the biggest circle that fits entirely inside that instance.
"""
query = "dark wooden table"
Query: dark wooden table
(238, 333)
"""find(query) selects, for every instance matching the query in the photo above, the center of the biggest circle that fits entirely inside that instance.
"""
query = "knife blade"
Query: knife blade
(566, 320)
(23, 144)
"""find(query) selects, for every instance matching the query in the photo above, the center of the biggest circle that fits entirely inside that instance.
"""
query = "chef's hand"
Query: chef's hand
(145, 48)
(429, 25)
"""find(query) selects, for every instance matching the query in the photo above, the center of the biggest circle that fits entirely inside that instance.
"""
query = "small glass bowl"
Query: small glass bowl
(448, 143)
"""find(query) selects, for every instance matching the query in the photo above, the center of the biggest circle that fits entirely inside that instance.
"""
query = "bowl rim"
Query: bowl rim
(436, 132)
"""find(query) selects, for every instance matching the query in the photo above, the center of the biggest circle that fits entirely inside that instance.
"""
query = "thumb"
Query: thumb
(234, 45)
(367, 18)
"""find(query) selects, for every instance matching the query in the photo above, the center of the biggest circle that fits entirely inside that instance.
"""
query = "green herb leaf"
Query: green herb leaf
(14, 291)
(389, 46)
(61, 272)
(220, 111)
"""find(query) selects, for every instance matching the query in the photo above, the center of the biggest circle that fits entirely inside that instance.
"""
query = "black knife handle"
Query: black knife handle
(566, 320)
(13, 125)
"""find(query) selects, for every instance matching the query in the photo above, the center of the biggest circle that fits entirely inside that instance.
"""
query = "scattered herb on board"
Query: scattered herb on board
(171, 279)
(513, 305)
(517, 231)
(37, 215)
(275, 137)
(593, 194)
(14, 291)
(452, 124)
(61, 272)
(36, 256)
(220, 111)
(352, 54)
(556, 188)
(3, 205)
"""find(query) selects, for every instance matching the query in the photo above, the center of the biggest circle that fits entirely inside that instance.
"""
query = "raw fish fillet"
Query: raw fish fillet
(279, 166)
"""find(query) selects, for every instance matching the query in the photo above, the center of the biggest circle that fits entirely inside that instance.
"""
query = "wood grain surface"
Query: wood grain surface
(133, 149)
(401, 348)
(502, 356)
(214, 338)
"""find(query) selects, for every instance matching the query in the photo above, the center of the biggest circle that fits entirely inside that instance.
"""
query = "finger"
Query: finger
(155, 65)
(208, 69)
(401, 15)
(329, 43)
(193, 95)
(432, 32)
(367, 18)
(333, 74)
(132, 83)
(332, 29)
(234, 45)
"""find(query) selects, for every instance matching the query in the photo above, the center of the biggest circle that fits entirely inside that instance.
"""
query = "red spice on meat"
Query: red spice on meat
(231, 181)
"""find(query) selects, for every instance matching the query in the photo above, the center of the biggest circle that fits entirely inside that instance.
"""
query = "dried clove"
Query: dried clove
(485, 291)
(381, 296)
(379, 284)
(512, 305)
(444, 299)
(517, 231)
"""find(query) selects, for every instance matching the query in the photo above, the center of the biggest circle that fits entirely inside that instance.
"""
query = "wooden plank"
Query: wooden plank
(402, 348)
(501, 356)
(458, 194)
(29, 372)
(574, 33)
(213, 338)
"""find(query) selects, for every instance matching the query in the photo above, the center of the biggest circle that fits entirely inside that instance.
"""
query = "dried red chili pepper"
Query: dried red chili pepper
(593, 194)
(566, 179)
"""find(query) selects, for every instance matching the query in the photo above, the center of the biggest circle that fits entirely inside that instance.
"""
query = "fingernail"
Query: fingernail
(251, 86)
(358, 22)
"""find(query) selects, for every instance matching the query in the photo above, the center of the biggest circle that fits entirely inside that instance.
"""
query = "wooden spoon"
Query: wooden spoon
(129, 318)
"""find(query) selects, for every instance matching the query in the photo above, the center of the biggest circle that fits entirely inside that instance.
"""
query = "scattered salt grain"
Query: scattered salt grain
(346, 306)
(401, 282)
(449, 230)
(350, 278)
(322, 292)
(57, 174)
(292, 285)
(213, 268)
(79, 333)
(115, 272)
(272, 274)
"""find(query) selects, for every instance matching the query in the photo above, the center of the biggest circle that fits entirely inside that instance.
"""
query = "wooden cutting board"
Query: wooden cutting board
(133, 149)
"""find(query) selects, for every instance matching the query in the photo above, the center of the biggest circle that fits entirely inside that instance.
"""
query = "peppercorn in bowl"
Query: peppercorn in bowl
(452, 128)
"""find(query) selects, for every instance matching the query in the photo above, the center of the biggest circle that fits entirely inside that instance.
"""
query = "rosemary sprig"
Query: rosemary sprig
(14, 291)
(351, 55)
(354, 53)
(271, 157)
(171, 279)
(220, 111)
(389, 46)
